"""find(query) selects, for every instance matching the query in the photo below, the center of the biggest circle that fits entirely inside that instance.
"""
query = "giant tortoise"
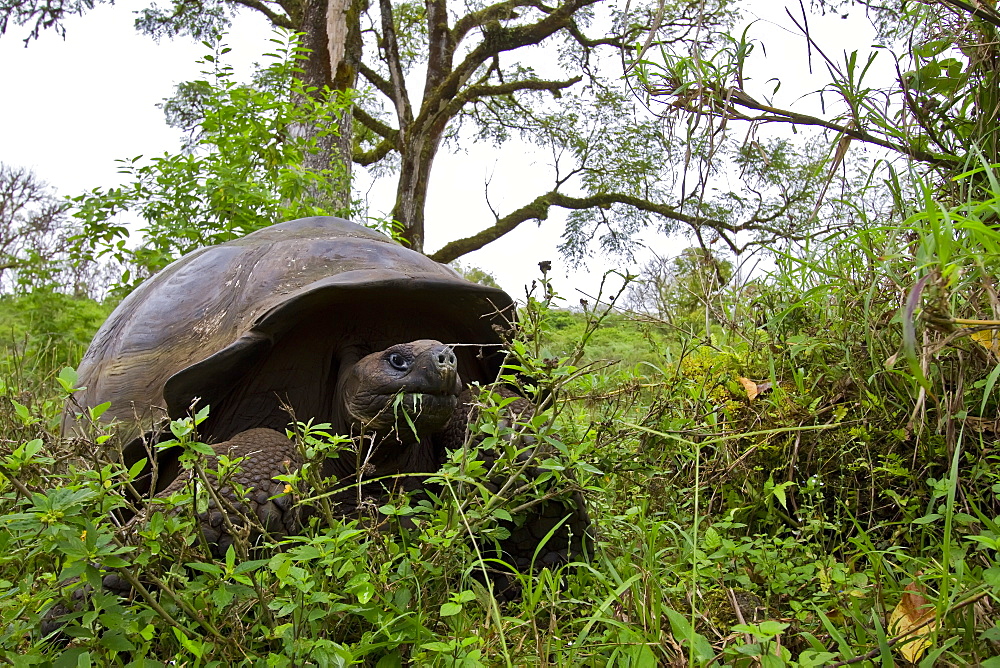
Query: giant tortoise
(317, 318)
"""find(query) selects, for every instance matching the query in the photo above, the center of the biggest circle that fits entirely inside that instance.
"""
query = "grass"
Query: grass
(733, 528)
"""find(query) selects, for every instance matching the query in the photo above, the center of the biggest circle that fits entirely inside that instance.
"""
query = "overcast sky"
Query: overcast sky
(72, 107)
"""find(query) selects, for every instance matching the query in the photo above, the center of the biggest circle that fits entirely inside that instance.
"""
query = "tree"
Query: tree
(680, 289)
(612, 165)
(330, 30)
(938, 115)
(475, 274)
(35, 232)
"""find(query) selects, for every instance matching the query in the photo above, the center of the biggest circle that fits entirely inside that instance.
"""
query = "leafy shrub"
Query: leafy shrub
(245, 168)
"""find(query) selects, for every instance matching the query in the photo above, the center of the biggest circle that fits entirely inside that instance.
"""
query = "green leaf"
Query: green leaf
(181, 428)
(364, 592)
(248, 566)
(450, 608)
(683, 631)
(211, 569)
(201, 415)
(136, 469)
(813, 658)
(779, 493)
(771, 628)
(116, 641)
(68, 378)
(23, 413)
(391, 660)
(202, 448)
(97, 411)
(502, 514)
(192, 646)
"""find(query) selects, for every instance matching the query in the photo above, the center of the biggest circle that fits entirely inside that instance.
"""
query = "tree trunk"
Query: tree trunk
(411, 189)
(331, 31)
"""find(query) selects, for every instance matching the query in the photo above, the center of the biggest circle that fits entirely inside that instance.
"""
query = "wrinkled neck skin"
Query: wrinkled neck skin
(377, 458)
(369, 460)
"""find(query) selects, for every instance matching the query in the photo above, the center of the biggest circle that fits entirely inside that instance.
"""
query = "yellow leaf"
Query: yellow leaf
(987, 338)
(912, 611)
(750, 387)
(753, 388)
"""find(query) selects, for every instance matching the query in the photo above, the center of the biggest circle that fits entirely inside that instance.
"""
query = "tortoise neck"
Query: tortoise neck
(372, 459)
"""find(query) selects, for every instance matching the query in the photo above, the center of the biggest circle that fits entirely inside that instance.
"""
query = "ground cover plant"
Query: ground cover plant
(795, 466)
(800, 487)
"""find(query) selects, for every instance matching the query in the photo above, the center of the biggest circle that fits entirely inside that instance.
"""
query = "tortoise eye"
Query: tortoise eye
(398, 362)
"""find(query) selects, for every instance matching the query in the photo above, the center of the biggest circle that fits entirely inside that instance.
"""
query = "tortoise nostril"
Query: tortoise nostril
(446, 357)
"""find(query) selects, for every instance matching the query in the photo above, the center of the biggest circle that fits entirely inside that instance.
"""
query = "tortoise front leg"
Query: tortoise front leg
(266, 453)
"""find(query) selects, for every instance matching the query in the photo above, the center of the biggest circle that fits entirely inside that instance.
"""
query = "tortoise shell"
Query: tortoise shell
(259, 325)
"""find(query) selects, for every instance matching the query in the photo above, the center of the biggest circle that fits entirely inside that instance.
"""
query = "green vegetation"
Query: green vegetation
(780, 527)
(244, 167)
(792, 468)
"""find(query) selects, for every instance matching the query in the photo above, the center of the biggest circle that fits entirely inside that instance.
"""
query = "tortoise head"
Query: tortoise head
(410, 389)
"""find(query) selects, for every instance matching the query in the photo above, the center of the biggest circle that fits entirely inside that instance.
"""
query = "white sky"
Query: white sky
(72, 107)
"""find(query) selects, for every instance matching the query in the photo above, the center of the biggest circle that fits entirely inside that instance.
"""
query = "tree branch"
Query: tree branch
(733, 98)
(390, 46)
(388, 133)
(538, 209)
(979, 12)
(365, 158)
(618, 42)
(496, 40)
(376, 79)
(485, 90)
(276, 19)
(440, 44)
(501, 11)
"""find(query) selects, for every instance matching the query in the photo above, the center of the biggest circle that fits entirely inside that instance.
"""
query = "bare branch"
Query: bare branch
(390, 46)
